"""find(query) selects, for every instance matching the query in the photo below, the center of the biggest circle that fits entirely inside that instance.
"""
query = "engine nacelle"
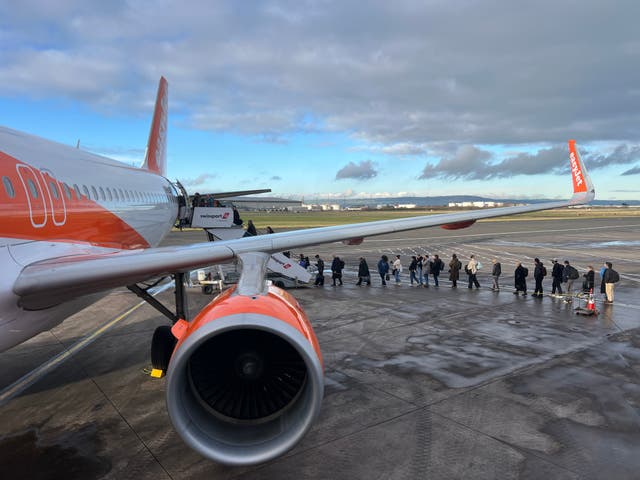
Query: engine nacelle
(245, 381)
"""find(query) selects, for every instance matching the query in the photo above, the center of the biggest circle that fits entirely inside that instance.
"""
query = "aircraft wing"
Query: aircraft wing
(238, 193)
(47, 283)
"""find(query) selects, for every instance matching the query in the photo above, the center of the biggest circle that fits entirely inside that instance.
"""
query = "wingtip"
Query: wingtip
(583, 189)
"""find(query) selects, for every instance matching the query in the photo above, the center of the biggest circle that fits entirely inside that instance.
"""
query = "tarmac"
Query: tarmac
(434, 383)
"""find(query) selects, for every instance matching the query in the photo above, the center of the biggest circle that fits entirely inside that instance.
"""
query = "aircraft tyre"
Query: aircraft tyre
(279, 284)
(162, 344)
(207, 289)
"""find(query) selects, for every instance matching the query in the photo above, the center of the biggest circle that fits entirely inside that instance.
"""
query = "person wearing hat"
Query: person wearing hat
(556, 274)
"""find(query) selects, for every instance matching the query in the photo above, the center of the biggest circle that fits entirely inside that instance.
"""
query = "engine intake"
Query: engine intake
(246, 379)
(246, 376)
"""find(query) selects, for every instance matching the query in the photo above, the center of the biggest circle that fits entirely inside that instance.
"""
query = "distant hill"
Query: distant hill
(445, 199)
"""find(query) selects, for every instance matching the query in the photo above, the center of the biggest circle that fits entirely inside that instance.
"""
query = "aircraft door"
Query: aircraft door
(56, 198)
(35, 195)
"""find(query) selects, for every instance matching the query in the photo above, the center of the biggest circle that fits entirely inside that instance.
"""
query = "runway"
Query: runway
(420, 383)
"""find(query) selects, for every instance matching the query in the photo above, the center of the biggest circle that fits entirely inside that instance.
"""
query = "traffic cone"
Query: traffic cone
(591, 304)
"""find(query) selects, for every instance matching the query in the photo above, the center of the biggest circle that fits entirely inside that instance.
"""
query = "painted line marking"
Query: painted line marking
(36, 374)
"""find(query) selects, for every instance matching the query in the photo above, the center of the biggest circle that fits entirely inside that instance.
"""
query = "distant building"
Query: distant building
(407, 205)
(262, 203)
(317, 207)
(483, 204)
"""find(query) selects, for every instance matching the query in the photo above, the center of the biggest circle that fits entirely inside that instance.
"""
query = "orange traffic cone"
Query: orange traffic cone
(591, 304)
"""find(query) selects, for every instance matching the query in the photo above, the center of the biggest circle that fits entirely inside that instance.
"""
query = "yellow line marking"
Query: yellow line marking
(36, 374)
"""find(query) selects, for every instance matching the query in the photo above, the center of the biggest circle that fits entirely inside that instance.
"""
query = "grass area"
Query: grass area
(289, 220)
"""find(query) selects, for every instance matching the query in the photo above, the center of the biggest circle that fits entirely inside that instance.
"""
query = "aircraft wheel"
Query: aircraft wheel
(279, 284)
(162, 345)
(207, 289)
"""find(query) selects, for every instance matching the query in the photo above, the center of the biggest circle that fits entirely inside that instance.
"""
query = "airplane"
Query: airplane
(244, 377)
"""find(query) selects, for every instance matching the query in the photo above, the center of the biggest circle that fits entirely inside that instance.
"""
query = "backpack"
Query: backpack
(341, 264)
(544, 271)
(614, 277)
(572, 273)
(466, 269)
(525, 271)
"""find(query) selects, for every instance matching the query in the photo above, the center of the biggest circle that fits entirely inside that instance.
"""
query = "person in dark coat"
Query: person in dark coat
(236, 217)
(557, 272)
(454, 270)
(589, 280)
(521, 279)
(539, 272)
(251, 230)
(610, 277)
(320, 275)
(336, 269)
(363, 272)
(383, 268)
(437, 266)
(496, 271)
(413, 268)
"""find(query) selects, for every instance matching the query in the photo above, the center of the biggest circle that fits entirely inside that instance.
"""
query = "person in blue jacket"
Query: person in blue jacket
(383, 268)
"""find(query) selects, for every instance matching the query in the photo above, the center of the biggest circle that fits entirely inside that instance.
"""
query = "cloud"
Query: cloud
(360, 171)
(468, 162)
(264, 70)
(275, 178)
(472, 163)
(632, 171)
(199, 180)
(623, 154)
(396, 149)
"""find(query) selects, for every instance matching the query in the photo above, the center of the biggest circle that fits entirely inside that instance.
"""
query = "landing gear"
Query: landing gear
(162, 344)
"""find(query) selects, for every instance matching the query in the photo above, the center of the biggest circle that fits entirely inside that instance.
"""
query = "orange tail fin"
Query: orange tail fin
(582, 185)
(155, 159)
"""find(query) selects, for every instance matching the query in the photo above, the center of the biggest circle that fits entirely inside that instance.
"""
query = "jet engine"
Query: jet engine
(245, 381)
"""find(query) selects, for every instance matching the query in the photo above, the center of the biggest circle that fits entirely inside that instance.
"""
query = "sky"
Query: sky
(338, 99)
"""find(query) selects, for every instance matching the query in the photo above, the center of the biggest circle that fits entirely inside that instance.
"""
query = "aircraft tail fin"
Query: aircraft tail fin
(583, 189)
(155, 159)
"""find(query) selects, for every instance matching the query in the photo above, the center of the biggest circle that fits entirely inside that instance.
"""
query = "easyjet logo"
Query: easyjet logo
(286, 265)
(575, 169)
(225, 216)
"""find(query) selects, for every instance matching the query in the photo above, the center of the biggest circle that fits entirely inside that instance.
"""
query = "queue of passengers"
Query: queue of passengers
(423, 268)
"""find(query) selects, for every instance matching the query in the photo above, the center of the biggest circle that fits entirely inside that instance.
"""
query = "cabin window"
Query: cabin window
(95, 192)
(109, 196)
(102, 195)
(67, 191)
(54, 190)
(86, 191)
(77, 189)
(32, 188)
(8, 187)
